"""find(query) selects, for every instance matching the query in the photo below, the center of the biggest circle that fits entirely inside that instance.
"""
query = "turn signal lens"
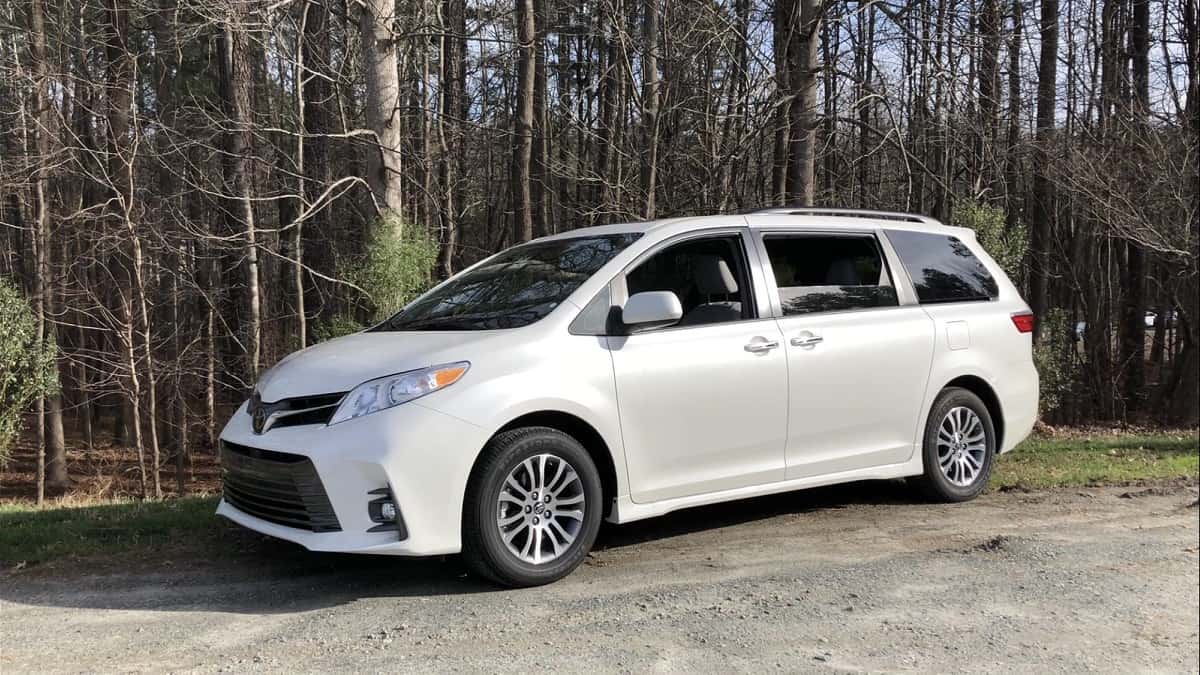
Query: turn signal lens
(1024, 322)
(448, 375)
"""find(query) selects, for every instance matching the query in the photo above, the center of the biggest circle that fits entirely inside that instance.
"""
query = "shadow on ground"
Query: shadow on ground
(247, 573)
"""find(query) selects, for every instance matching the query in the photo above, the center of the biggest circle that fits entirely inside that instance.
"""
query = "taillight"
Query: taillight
(1023, 321)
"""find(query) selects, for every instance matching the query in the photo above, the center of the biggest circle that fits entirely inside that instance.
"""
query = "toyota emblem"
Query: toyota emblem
(258, 414)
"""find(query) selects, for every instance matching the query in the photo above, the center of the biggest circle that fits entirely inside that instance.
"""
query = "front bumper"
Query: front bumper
(423, 456)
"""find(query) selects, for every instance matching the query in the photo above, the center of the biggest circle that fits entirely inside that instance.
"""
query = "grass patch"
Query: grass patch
(1049, 462)
(29, 536)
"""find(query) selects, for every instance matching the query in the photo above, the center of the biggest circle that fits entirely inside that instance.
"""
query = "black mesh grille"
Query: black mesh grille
(278, 487)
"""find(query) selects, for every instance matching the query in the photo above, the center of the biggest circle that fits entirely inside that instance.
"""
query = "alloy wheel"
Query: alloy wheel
(961, 446)
(541, 508)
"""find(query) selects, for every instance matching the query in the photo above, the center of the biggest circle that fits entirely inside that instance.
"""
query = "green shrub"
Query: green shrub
(1054, 356)
(336, 327)
(394, 269)
(1007, 246)
(27, 369)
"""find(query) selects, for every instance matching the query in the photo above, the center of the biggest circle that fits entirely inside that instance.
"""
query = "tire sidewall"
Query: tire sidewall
(935, 479)
(504, 565)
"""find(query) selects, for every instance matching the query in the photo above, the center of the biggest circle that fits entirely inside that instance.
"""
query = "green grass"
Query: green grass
(1099, 460)
(29, 535)
(129, 531)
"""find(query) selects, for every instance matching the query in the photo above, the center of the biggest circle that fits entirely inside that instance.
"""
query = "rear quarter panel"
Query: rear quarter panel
(980, 339)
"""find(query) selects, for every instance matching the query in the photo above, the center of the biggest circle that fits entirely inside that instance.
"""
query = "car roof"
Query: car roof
(814, 218)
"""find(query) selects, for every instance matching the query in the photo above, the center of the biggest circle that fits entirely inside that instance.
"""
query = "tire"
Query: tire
(540, 549)
(968, 462)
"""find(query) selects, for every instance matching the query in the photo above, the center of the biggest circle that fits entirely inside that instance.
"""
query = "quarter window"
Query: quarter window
(829, 273)
(942, 268)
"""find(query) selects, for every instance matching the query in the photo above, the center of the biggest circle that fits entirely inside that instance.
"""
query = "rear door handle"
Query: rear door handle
(808, 340)
(759, 346)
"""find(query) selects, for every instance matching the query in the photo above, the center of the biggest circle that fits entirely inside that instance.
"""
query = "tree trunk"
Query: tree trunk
(539, 169)
(989, 93)
(119, 88)
(781, 19)
(650, 105)
(1041, 226)
(52, 453)
(315, 233)
(383, 104)
(608, 104)
(803, 76)
(1013, 154)
(522, 156)
(1133, 337)
(238, 87)
(450, 121)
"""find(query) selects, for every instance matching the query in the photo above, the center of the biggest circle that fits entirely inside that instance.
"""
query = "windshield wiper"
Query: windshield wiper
(437, 324)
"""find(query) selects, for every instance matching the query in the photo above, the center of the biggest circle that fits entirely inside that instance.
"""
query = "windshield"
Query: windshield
(512, 289)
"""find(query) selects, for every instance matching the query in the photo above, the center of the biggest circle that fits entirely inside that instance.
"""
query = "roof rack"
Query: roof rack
(844, 213)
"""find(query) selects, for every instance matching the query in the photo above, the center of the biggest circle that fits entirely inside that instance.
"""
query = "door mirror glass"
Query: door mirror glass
(651, 309)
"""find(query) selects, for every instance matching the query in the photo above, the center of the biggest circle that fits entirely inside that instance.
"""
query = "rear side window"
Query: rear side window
(942, 268)
(828, 274)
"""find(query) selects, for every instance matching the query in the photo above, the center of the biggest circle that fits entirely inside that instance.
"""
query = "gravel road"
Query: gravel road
(854, 579)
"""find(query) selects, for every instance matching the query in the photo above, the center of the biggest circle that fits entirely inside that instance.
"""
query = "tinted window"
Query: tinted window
(942, 268)
(828, 274)
(708, 276)
(513, 288)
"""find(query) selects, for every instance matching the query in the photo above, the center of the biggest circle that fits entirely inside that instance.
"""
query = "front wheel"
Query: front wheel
(959, 447)
(533, 507)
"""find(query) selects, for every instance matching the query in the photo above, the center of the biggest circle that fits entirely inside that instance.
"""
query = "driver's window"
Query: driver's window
(708, 275)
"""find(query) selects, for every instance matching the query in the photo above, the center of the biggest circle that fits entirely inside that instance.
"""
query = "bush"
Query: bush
(394, 269)
(1007, 246)
(27, 369)
(336, 327)
(1054, 356)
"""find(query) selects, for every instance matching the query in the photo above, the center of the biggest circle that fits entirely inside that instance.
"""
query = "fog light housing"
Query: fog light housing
(383, 510)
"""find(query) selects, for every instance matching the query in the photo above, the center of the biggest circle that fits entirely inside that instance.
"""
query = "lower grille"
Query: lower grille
(277, 487)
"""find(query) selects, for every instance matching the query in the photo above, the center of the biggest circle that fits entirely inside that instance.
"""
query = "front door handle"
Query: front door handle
(760, 345)
(807, 340)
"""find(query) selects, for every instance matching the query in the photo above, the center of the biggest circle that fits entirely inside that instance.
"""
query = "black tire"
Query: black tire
(484, 550)
(934, 483)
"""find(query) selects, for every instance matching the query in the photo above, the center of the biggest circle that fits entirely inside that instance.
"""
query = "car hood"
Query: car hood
(342, 364)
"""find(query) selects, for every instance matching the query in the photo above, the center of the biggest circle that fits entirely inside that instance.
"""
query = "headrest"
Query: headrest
(842, 273)
(713, 276)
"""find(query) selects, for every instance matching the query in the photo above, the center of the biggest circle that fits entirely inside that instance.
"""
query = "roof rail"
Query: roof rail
(844, 213)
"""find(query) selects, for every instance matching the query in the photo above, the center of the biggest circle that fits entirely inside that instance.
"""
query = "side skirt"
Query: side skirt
(626, 511)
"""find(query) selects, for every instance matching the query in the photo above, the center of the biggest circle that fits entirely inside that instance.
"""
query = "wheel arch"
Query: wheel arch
(980, 387)
(582, 431)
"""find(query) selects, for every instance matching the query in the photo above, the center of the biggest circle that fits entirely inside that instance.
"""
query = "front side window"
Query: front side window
(828, 273)
(513, 288)
(942, 268)
(708, 275)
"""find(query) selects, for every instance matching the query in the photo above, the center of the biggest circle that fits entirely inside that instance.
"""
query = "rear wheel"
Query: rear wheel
(533, 507)
(959, 447)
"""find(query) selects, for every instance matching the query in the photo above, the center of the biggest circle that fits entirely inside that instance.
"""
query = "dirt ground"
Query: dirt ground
(853, 579)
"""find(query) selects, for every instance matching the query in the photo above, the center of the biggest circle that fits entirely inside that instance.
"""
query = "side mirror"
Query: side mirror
(651, 309)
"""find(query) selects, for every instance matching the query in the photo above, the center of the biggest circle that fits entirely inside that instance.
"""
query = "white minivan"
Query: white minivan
(625, 371)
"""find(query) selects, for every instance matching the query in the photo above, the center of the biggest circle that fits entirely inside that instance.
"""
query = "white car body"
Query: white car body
(676, 418)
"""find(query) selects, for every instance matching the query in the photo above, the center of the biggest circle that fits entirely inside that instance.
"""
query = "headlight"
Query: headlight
(386, 392)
